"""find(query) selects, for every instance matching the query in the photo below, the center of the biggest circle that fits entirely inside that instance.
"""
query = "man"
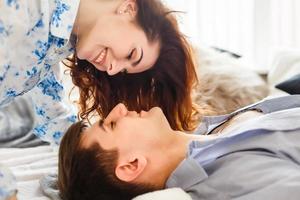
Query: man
(253, 153)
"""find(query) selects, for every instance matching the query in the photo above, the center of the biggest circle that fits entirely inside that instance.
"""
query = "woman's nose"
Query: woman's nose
(115, 67)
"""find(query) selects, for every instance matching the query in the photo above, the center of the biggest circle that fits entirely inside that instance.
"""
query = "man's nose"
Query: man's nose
(117, 112)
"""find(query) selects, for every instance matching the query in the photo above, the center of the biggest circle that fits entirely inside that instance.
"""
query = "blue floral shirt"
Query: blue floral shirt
(35, 36)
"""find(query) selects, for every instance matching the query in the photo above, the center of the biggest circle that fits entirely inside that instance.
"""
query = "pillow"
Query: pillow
(291, 86)
(222, 87)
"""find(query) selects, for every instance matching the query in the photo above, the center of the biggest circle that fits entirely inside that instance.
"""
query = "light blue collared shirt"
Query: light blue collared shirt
(34, 38)
(258, 160)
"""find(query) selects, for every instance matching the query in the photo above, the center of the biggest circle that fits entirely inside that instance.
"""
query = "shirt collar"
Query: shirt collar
(210, 122)
(63, 17)
(187, 174)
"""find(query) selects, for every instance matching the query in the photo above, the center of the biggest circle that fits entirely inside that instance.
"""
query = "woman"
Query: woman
(139, 37)
(167, 82)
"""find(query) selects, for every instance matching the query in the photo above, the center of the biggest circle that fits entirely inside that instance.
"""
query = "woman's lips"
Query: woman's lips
(100, 59)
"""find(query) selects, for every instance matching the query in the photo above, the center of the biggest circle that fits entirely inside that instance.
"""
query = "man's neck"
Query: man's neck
(170, 151)
(177, 150)
(165, 157)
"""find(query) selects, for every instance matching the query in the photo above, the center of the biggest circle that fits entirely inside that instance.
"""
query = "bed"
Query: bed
(29, 165)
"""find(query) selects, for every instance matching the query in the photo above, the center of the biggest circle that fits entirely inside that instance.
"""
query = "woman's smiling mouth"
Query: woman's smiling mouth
(100, 59)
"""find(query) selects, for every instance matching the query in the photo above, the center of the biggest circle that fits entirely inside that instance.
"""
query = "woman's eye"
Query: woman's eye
(130, 55)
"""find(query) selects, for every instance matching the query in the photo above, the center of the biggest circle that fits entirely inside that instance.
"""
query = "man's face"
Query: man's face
(128, 130)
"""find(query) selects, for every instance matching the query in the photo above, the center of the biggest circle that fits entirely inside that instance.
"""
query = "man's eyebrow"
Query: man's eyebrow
(140, 59)
(101, 125)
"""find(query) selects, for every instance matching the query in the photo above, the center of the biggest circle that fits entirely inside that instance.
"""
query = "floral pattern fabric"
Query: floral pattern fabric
(35, 36)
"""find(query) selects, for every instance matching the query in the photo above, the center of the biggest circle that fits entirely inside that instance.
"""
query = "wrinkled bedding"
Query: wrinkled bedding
(16, 124)
(29, 165)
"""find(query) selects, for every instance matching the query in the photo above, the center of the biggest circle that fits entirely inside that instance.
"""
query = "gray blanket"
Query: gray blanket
(49, 186)
(16, 124)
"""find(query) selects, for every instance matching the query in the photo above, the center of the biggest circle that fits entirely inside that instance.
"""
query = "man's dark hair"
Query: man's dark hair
(89, 173)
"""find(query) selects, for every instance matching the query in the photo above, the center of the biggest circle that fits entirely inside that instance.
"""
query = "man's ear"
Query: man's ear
(128, 7)
(130, 169)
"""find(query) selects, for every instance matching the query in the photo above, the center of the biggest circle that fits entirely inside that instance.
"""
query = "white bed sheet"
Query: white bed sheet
(29, 165)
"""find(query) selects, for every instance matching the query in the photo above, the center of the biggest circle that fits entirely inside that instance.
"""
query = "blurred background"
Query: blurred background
(255, 29)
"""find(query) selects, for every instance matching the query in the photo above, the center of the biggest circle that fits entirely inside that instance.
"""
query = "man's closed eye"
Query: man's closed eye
(112, 125)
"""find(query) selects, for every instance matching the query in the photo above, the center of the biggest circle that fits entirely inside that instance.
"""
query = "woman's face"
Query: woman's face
(115, 43)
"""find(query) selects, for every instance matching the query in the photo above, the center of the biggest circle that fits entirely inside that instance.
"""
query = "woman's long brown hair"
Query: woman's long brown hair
(168, 84)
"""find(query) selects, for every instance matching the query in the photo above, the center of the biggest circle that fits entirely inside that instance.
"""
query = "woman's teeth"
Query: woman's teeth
(101, 56)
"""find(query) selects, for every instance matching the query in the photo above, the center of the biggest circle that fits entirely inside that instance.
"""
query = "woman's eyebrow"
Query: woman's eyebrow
(140, 59)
